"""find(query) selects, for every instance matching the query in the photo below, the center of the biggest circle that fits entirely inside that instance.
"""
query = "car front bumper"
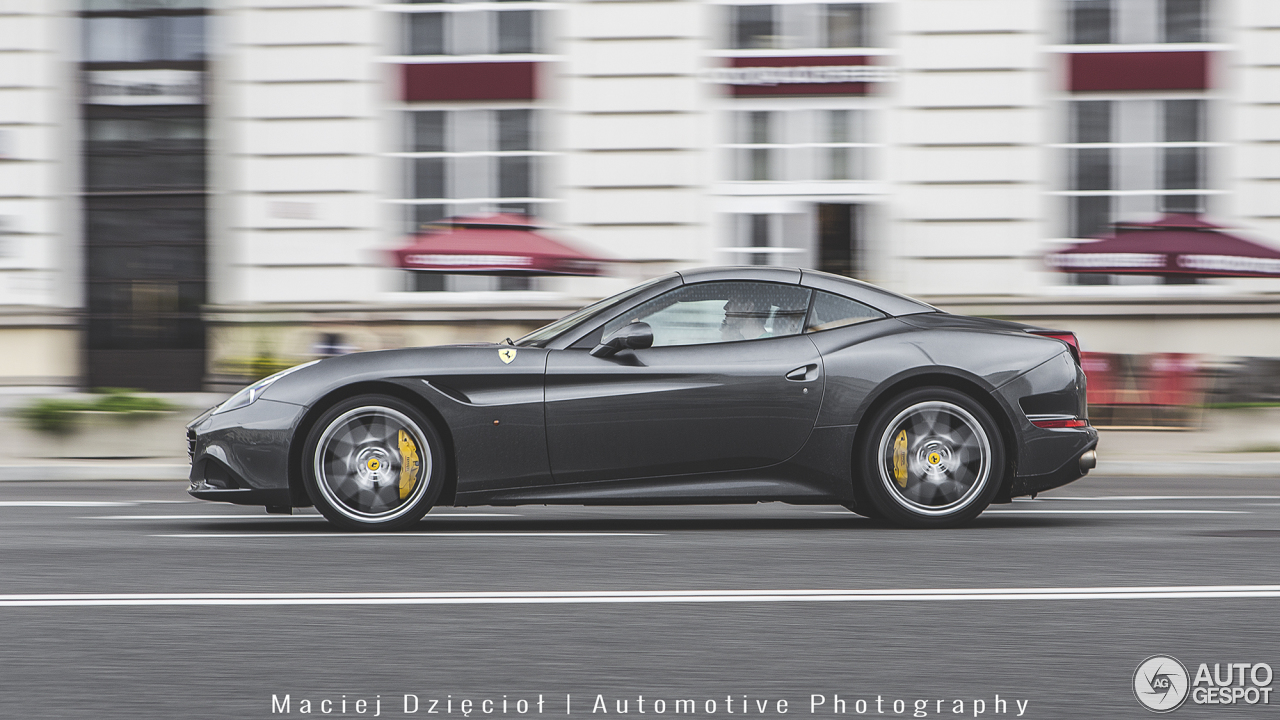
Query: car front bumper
(242, 456)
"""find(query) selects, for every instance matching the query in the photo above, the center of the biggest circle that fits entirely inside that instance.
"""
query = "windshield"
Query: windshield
(545, 334)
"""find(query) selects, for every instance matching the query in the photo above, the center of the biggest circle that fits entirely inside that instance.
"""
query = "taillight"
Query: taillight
(1059, 422)
(1067, 337)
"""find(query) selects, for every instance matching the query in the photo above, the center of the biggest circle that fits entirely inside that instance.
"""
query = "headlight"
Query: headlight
(245, 397)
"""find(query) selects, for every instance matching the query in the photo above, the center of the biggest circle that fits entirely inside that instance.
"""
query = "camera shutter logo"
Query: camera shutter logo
(1161, 683)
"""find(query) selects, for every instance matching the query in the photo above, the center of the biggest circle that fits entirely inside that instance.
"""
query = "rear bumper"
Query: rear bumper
(1067, 472)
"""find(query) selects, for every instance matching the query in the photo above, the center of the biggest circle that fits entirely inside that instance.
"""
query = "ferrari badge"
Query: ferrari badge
(507, 355)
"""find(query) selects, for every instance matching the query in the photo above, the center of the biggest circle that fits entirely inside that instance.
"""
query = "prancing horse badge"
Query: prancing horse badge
(507, 355)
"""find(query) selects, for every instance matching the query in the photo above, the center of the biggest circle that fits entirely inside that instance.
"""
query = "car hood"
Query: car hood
(309, 384)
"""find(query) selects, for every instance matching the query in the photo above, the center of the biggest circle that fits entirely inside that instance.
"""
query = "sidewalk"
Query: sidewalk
(1230, 443)
(1227, 443)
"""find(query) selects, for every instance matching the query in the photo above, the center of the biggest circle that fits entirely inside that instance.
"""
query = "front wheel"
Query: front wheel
(373, 462)
(933, 458)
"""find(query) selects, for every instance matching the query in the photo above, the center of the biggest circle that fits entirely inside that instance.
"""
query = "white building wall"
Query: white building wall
(39, 253)
(1252, 78)
(634, 128)
(298, 176)
(40, 248)
(967, 159)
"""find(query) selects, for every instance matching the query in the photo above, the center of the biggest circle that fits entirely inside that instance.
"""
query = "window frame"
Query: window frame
(537, 163)
(1154, 139)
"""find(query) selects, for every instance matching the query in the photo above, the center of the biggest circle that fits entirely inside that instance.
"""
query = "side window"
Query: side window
(833, 311)
(720, 312)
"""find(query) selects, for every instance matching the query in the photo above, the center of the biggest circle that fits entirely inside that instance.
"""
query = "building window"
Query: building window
(1091, 21)
(1133, 158)
(1105, 22)
(425, 34)
(847, 25)
(468, 161)
(799, 145)
(756, 153)
(797, 26)
(1185, 21)
(845, 142)
(464, 31)
(753, 26)
(141, 5)
(162, 38)
(144, 153)
(758, 229)
(515, 31)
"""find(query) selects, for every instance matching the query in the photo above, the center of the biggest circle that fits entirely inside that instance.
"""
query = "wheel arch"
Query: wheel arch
(297, 488)
(970, 386)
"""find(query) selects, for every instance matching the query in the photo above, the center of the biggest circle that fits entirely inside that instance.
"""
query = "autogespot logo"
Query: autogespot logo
(1160, 683)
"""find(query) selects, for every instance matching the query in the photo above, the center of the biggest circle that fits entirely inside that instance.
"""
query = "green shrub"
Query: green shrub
(51, 416)
(59, 416)
(253, 369)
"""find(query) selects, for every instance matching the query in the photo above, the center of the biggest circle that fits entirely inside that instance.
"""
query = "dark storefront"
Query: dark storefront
(145, 202)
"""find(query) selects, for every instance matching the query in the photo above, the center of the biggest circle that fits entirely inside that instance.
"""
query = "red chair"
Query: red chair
(1103, 373)
(1173, 379)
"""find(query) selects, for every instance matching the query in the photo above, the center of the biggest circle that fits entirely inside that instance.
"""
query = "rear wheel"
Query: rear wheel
(933, 458)
(373, 462)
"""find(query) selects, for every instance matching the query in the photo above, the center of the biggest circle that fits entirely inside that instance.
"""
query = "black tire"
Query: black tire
(933, 458)
(373, 463)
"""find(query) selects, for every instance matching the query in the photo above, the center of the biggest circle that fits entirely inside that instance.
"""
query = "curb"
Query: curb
(1188, 468)
(94, 471)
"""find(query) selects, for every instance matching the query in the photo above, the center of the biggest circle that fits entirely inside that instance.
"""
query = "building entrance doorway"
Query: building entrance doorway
(840, 242)
(144, 191)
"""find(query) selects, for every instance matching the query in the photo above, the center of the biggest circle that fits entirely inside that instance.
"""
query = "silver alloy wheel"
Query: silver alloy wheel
(934, 458)
(365, 459)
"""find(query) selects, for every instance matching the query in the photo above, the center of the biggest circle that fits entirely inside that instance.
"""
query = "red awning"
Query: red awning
(501, 244)
(1174, 245)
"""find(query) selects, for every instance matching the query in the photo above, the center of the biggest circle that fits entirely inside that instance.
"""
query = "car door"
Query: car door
(729, 384)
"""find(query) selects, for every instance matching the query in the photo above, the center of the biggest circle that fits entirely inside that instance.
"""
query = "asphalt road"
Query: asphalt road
(338, 631)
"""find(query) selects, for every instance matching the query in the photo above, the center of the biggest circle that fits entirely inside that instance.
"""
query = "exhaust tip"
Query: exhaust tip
(1089, 461)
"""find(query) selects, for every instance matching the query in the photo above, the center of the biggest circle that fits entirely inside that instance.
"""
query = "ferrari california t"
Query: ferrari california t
(718, 385)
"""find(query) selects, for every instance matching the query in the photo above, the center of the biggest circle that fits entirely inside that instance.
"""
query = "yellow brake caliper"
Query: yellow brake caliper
(408, 464)
(900, 459)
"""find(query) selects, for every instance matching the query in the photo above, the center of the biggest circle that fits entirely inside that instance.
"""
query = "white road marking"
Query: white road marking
(1159, 497)
(1116, 512)
(1064, 511)
(393, 536)
(62, 503)
(268, 517)
(1193, 592)
(224, 516)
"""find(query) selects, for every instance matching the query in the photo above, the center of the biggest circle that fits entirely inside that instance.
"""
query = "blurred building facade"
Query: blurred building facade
(187, 186)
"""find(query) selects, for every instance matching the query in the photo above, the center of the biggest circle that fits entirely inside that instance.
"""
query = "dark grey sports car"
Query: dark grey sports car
(721, 385)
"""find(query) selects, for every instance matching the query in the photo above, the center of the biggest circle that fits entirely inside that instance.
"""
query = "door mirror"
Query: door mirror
(635, 336)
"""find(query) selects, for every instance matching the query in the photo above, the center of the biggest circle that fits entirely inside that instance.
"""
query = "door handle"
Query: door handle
(804, 373)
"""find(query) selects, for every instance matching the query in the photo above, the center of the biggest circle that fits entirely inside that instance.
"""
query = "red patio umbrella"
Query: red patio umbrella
(1175, 245)
(500, 244)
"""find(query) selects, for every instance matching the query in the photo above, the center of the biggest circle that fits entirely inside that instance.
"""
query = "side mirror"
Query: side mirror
(636, 336)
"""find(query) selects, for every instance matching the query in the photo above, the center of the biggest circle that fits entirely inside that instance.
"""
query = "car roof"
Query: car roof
(877, 297)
